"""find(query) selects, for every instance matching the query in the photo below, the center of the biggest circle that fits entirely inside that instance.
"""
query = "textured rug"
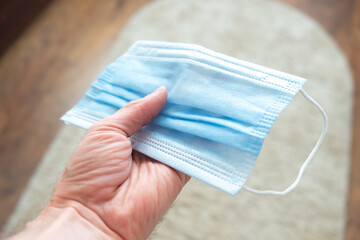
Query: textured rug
(270, 34)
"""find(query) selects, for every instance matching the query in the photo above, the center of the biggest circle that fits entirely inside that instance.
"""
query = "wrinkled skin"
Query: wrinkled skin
(120, 192)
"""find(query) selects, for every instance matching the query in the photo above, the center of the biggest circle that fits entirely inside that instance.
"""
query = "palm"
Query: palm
(121, 186)
(149, 190)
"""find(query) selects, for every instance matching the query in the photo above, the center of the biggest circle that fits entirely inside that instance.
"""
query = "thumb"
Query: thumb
(136, 114)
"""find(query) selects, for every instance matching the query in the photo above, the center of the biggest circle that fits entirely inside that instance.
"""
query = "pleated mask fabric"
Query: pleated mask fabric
(218, 112)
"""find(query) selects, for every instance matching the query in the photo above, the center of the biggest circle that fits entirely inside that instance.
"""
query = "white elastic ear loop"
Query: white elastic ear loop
(307, 161)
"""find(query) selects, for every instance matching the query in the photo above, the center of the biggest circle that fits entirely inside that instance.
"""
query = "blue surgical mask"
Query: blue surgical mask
(218, 112)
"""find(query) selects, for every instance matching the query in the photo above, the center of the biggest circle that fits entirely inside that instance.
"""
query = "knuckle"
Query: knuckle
(94, 127)
(133, 103)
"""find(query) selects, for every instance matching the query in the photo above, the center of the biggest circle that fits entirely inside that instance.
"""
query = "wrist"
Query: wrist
(65, 223)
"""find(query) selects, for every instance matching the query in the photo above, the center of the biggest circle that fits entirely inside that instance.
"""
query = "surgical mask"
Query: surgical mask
(217, 115)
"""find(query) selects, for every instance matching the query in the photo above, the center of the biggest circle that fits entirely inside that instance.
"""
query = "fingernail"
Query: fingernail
(162, 88)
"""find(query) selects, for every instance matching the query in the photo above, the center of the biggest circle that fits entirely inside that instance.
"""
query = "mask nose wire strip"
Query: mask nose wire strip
(307, 161)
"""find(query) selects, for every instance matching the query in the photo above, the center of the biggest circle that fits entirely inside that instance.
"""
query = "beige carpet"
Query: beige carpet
(274, 35)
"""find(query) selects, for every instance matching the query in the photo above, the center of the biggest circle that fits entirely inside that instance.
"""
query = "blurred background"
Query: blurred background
(51, 50)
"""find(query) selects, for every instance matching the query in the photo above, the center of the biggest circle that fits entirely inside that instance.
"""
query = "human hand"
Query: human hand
(109, 190)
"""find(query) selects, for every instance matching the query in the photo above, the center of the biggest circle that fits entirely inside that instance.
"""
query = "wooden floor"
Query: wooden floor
(50, 66)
